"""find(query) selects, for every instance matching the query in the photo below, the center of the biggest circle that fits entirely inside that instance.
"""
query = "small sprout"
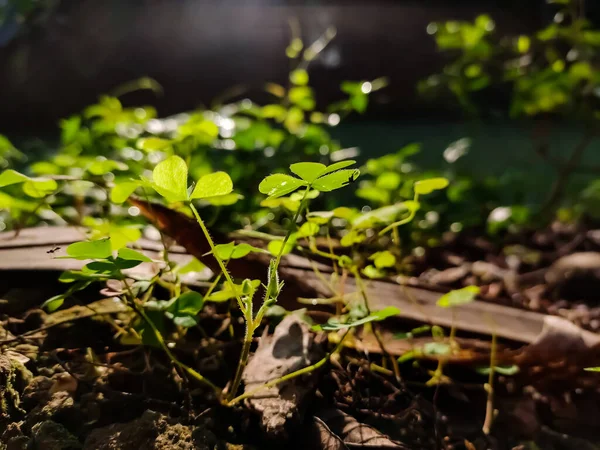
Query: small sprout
(169, 179)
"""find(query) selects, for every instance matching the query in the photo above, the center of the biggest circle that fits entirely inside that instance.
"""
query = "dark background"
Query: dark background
(196, 49)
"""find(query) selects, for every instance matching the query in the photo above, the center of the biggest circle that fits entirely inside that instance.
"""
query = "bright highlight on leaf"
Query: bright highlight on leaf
(212, 185)
(315, 175)
(169, 179)
(428, 186)
(458, 297)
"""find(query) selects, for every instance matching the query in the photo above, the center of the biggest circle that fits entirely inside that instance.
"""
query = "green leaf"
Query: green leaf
(104, 166)
(169, 179)
(375, 316)
(38, 187)
(502, 370)
(274, 247)
(227, 294)
(383, 259)
(100, 249)
(33, 187)
(10, 176)
(308, 229)
(436, 348)
(232, 251)
(152, 144)
(279, 184)
(458, 297)
(189, 303)
(336, 180)
(122, 191)
(433, 184)
(224, 200)
(212, 185)
(193, 266)
(299, 77)
(53, 303)
(373, 273)
(308, 171)
(132, 255)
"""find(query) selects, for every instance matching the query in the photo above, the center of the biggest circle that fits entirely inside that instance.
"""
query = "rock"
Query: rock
(290, 348)
(13, 438)
(152, 431)
(13, 379)
(48, 435)
(60, 408)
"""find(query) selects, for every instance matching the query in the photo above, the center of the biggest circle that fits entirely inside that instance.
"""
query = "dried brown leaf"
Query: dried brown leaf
(355, 434)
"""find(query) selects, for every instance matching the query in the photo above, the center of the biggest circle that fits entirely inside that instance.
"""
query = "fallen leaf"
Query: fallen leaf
(355, 434)
(323, 438)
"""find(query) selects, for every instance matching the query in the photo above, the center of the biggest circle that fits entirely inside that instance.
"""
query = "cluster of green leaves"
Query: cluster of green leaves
(550, 71)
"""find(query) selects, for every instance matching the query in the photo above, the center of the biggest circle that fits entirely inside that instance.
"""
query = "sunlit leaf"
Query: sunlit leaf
(213, 185)
(132, 255)
(122, 191)
(152, 144)
(10, 176)
(336, 180)
(383, 259)
(308, 229)
(233, 251)
(103, 166)
(433, 184)
(100, 249)
(299, 77)
(373, 272)
(458, 297)
(308, 171)
(170, 179)
(279, 184)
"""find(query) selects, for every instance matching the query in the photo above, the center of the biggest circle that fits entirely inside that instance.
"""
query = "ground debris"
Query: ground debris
(290, 348)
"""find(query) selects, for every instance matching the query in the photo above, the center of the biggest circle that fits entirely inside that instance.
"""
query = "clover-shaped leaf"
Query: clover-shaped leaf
(430, 185)
(315, 175)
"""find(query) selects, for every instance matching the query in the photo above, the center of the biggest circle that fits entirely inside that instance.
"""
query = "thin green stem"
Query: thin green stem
(219, 260)
(290, 376)
(140, 311)
(411, 216)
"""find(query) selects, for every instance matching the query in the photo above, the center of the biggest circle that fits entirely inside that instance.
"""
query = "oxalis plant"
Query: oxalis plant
(170, 180)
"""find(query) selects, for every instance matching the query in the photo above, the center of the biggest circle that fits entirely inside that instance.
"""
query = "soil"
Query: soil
(71, 385)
